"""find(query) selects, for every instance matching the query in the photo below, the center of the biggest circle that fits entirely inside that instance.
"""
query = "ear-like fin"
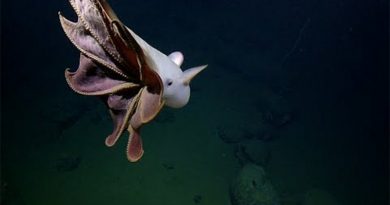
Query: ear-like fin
(189, 74)
(177, 57)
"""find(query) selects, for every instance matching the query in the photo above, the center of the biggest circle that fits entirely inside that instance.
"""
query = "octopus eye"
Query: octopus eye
(169, 82)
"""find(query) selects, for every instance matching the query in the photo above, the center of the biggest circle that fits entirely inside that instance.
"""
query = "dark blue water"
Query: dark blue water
(307, 81)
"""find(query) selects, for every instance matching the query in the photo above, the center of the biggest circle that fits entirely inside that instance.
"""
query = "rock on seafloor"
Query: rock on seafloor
(253, 151)
(252, 187)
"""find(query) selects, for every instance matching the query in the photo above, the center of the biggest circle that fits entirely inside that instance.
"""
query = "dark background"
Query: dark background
(334, 55)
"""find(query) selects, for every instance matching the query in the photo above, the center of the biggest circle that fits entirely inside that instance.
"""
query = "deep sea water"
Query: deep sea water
(299, 88)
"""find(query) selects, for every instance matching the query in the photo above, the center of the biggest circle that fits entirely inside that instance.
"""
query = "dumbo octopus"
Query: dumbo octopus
(132, 78)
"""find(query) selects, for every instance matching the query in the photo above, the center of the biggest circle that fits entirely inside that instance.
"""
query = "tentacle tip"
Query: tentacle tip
(135, 157)
(134, 150)
(111, 139)
(109, 143)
